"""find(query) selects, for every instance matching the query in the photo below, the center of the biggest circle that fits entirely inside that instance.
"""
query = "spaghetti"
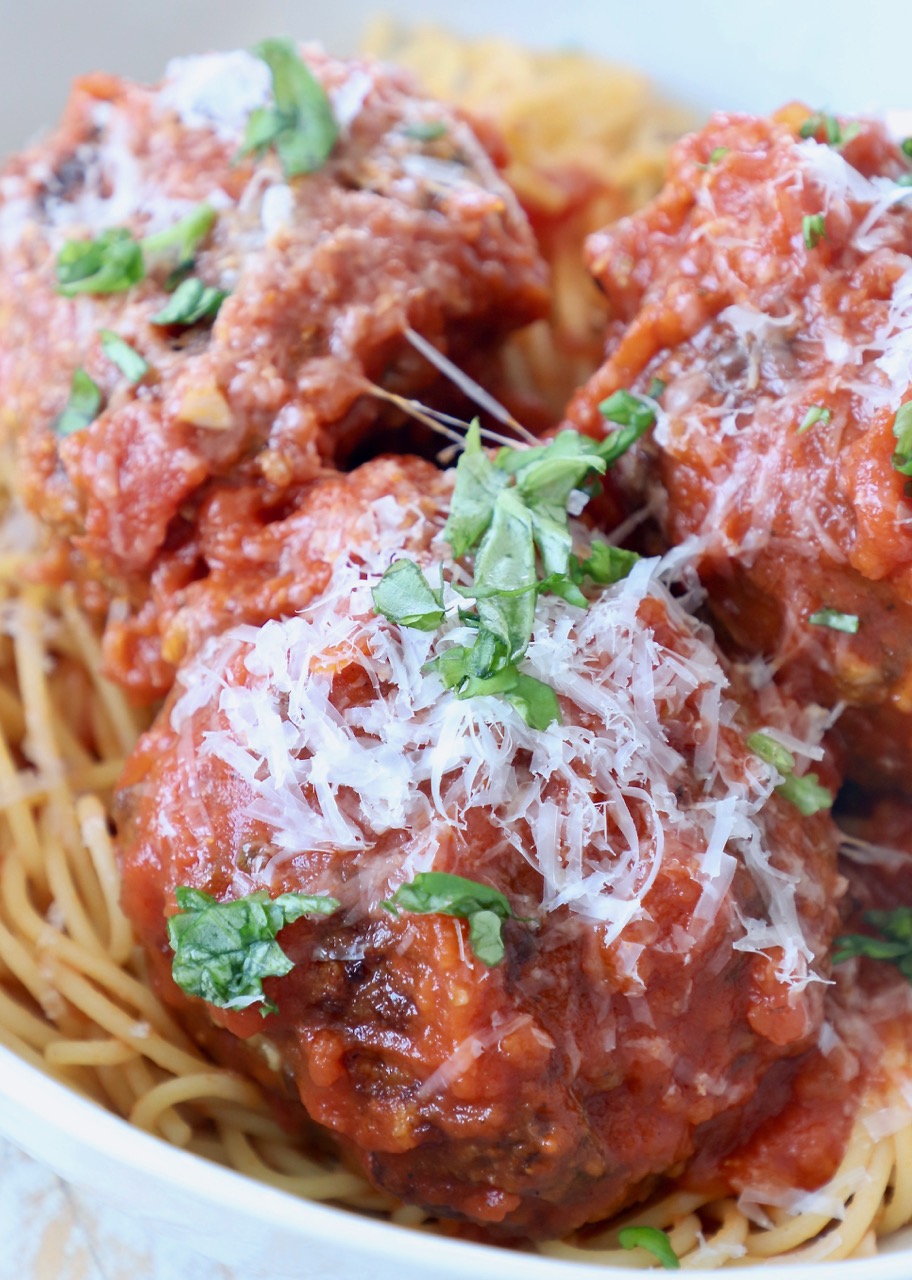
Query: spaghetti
(74, 999)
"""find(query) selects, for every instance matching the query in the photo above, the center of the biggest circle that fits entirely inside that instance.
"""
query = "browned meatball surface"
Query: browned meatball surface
(768, 290)
(407, 223)
(671, 912)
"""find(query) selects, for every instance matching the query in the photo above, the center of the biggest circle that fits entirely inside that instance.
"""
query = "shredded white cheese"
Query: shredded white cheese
(216, 91)
(594, 804)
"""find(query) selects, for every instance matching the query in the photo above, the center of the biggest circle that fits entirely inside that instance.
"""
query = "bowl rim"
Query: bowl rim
(37, 1110)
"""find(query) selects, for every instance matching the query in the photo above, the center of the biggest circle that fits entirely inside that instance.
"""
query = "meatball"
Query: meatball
(406, 224)
(767, 289)
(669, 911)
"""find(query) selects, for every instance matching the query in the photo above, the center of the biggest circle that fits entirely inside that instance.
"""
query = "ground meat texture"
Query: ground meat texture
(407, 224)
(769, 287)
(672, 912)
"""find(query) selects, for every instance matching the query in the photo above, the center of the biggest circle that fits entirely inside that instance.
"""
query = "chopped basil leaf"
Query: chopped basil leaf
(907, 146)
(628, 409)
(545, 479)
(535, 701)
(655, 388)
(505, 575)
(606, 564)
(180, 242)
(478, 483)
(191, 302)
(452, 665)
(894, 943)
(405, 596)
(566, 444)
(813, 227)
(836, 621)
(129, 362)
(439, 893)
(425, 130)
(902, 430)
(816, 413)
(487, 655)
(115, 261)
(654, 1241)
(636, 416)
(513, 513)
(773, 752)
(566, 585)
(806, 794)
(502, 681)
(82, 407)
(837, 135)
(224, 950)
(486, 937)
(109, 264)
(813, 124)
(300, 126)
(546, 483)
(717, 154)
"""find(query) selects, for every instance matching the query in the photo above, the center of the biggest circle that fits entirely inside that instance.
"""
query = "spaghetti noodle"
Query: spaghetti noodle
(74, 999)
(74, 1002)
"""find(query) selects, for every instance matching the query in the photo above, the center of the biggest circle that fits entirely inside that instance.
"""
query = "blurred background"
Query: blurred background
(713, 53)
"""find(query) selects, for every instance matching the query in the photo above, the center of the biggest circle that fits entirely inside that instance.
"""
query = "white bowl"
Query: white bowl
(714, 53)
(260, 1231)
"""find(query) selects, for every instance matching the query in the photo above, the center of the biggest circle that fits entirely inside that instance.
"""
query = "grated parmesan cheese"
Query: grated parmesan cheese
(591, 804)
(216, 91)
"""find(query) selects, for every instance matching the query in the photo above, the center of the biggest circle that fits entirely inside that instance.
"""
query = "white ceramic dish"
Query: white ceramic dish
(715, 53)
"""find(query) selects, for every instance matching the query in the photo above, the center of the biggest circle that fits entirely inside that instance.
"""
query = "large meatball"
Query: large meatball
(407, 223)
(769, 288)
(671, 911)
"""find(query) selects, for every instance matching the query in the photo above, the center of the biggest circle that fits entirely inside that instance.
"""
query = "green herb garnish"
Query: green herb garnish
(111, 263)
(816, 413)
(300, 126)
(224, 950)
(405, 596)
(607, 564)
(634, 414)
(655, 389)
(654, 1241)
(425, 130)
(178, 244)
(511, 513)
(813, 227)
(82, 407)
(805, 793)
(129, 362)
(190, 302)
(902, 430)
(906, 147)
(837, 135)
(116, 260)
(717, 154)
(836, 621)
(894, 943)
(438, 893)
(773, 752)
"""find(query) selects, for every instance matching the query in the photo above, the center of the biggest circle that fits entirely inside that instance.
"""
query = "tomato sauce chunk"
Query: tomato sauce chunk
(645, 919)
(766, 295)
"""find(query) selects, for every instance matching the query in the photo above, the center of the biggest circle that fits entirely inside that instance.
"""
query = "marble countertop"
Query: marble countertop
(52, 1231)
